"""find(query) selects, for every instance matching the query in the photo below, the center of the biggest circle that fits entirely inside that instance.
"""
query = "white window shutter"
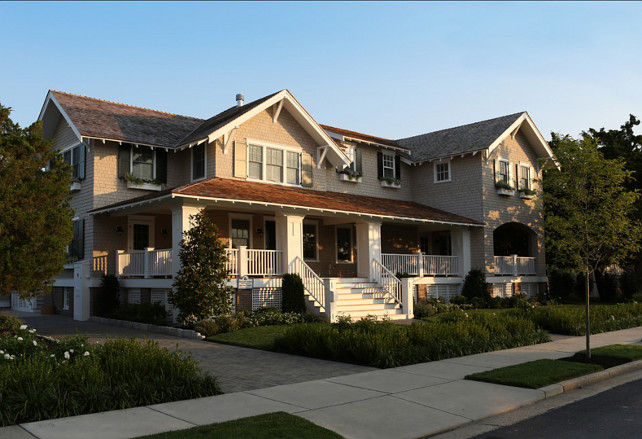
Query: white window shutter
(240, 159)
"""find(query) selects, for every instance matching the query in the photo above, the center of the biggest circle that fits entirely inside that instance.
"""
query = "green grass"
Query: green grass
(535, 374)
(272, 425)
(540, 373)
(259, 337)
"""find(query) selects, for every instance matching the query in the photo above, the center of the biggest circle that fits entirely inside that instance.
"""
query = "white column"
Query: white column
(408, 297)
(330, 299)
(466, 258)
(289, 237)
(180, 224)
(368, 246)
(82, 274)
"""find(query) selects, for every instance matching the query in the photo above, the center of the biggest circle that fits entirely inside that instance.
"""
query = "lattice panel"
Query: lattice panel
(266, 297)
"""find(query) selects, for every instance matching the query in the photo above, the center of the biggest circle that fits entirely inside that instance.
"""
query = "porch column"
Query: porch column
(289, 237)
(368, 246)
(461, 249)
(180, 224)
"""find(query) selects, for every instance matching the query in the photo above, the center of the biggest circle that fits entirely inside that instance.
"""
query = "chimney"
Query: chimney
(239, 100)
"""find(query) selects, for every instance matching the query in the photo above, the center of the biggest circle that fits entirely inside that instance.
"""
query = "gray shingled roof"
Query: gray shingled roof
(459, 140)
(111, 120)
(220, 120)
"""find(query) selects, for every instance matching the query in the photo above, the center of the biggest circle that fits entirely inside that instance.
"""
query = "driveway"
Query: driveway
(238, 369)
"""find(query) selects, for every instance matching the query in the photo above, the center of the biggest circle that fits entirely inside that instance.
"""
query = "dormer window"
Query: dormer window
(142, 163)
(389, 169)
(277, 165)
(388, 165)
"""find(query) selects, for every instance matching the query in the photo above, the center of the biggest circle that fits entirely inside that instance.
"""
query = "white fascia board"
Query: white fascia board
(380, 145)
(320, 210)
(105, 139)
(129, 205)
(535, 137)
(52, 99)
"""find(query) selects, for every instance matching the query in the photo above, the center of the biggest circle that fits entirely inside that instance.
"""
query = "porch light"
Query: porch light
(119, 230)
(164, 233)
(259, 232)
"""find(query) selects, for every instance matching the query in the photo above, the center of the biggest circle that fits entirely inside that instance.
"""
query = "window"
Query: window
(344, 244)
(255, 162)
(76, 248)
(503, 172)
(142, 162)
(274, 164)
(310, 236)
(240, 233)
(66, 295)
(388, 166)
(442, 172)
(76, 159)
(524, 177)
(198, 161)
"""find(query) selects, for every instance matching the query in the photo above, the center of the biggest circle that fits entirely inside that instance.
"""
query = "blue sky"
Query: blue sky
(388, 69)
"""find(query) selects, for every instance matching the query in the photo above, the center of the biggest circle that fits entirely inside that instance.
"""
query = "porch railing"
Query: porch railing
(514, 265)
(100, 266)
(145, 263)
(384, 277)
(262, 262)
(421, 265)
(232, 264)
(312, 283)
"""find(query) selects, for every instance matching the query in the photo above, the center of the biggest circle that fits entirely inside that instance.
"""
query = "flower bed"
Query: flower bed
(44, 379)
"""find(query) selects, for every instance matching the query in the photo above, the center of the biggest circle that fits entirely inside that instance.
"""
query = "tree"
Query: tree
(200, 288)
(35, 216)
(588, 211)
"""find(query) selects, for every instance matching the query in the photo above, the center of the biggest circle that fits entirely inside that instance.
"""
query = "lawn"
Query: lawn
(540, 373)
(272, 425)
(259, 337)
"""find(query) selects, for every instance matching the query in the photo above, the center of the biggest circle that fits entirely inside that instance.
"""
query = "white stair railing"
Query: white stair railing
(386, 279)
(312, 283)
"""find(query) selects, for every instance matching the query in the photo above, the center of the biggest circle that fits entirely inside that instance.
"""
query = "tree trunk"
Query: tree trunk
(588, 323)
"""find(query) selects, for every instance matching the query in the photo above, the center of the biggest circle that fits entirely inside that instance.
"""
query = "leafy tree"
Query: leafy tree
(588, 211)
(200, 288)
(35, 217)
(293, 299)
(475, 285)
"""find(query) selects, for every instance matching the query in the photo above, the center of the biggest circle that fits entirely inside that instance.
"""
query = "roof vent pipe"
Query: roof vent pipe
(239, 100)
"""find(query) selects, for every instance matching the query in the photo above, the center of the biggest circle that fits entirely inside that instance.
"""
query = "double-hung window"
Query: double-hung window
(198, 161)
(143, 158)
(76, 159)
(442, 172)
(503, 173)
(388, 166)
(274, 164)
(524, 177)
(142, 162)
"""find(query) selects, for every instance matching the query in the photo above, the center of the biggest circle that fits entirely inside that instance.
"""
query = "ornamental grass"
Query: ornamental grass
(46, 379)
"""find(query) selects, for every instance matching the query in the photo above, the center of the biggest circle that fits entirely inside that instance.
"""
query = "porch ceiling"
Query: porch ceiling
(261, 195)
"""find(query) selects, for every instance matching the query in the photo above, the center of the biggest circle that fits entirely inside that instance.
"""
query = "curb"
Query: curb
(585, 380)
(167, 330)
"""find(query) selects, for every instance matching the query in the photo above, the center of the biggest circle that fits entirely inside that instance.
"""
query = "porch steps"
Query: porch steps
(361, 298)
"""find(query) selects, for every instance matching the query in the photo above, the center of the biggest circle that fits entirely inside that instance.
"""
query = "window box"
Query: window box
(75, 186)
(527, 195)
(350, 178)
(391, 183)
(507, 192)
(144, 186)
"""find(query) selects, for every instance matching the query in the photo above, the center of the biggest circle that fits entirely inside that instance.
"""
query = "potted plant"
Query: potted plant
(390, 182)
(503, 188)
(349, 174)
(142, 183)
(527, 194)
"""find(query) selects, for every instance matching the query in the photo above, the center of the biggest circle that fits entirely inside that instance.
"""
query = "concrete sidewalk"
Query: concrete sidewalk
(404, 402)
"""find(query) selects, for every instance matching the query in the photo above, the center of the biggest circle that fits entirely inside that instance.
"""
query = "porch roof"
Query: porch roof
(246, 192)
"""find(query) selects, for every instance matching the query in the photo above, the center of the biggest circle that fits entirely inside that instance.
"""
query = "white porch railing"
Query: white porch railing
(160, 262)
(264, 262)
(100, 266)
(421, 265)
(232, 264)
(313, 284)
(145, 263)
(514, 265)
(384, 277)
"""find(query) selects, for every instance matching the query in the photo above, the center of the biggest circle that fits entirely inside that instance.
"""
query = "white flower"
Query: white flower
(23, 326)
(52, 355)
(67, 355)
(71, 350)
(86, 354)
(7, 357)
(31, 331)
(20, 339)
(34, 343)
(1, 352)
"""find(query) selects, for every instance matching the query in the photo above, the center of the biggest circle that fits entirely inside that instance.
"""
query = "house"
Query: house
(345, 210)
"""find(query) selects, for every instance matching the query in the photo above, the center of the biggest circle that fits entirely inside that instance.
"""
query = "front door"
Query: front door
(270, 235)
(140, 233)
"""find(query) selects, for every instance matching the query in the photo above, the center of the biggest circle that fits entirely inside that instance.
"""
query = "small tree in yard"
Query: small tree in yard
(588, 211)
(200, 288)
(35, 217)
(293, 294)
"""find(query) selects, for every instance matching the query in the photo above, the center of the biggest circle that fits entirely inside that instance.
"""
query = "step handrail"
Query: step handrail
(312, 283)
(387, 280)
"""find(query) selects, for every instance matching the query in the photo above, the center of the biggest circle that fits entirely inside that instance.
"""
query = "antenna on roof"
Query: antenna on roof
(239, 100)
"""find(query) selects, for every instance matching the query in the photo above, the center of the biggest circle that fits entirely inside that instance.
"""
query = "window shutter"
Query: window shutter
(124, 152)
(380, 164)
(495, 170)
(306, 169)
(358, 162)
(81, 162)
(240, 159)
(161, 165)
(398, 167)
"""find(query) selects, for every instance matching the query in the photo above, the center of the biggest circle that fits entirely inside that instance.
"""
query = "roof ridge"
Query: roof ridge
(462, 126)
(125, 105)
(323, 125)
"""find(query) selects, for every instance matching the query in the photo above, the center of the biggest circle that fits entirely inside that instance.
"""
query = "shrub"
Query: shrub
(293, 294)
(475, 285)
(207, 327)
(108, 299)
(607, 287)
(562, 286)
(152, 313)
(9, 323)
(566, 319)
(629, 284)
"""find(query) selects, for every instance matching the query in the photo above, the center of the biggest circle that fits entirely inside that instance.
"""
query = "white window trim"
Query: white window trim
(140, 219)
(241, 216)
(336, 247)
(65, 298)
(191, 168)
(383, 165)
(498, 175)
(314, 223)
(285, 148)
(530, 176)
(446, 162)
(131, 160)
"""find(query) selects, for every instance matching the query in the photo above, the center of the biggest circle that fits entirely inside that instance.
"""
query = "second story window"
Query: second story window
(524, 178)
(503, 172)
(442, 172)
(293, 168)
(388, 166)
(76, 158)
(198, 161)
(143, 163)
(273, 164)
